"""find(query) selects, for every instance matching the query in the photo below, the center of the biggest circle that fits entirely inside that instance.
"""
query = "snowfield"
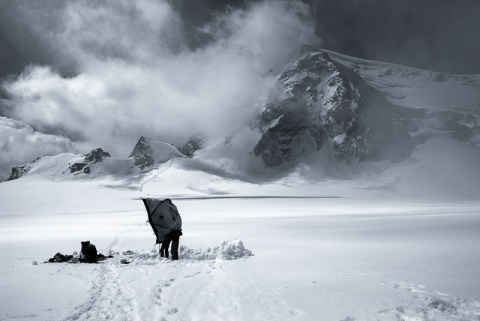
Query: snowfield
(347, 251)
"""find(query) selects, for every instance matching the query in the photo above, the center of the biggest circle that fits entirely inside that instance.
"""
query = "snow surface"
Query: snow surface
(286, 250)
(411, 87)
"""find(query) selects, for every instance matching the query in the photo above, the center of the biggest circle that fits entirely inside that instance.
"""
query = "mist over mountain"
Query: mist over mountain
(135, 74)
(327, 116)
(246, 77)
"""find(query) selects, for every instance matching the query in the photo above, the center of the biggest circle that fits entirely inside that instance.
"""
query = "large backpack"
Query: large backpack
(88, 253)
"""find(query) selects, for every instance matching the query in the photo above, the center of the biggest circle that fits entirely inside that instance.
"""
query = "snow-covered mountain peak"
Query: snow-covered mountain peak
(312, 103)
(148, 152)
(353, 110)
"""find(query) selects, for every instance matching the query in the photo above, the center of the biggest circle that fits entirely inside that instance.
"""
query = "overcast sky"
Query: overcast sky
(82, 74)
(441, 35)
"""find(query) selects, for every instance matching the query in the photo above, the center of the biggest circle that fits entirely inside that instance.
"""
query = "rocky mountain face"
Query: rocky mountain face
(142, 154)
(312, 102)
(319, 104)
(148, 152)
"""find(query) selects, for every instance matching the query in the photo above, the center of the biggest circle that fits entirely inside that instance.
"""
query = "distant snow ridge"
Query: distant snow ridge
(146, 154)
(227, 250)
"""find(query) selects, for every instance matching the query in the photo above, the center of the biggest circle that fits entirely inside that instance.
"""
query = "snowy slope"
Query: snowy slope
(146, 155)
(416, 88)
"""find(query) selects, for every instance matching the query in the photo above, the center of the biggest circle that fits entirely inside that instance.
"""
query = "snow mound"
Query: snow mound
(227, 250)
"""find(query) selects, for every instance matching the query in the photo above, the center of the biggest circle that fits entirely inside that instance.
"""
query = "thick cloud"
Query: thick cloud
(23, 43)
(20, 144)
(90, 74)
(137, 75)
(440, 35)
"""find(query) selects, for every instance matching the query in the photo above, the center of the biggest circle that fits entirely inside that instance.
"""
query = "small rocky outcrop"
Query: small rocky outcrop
(76, 167)
(194, 144)
(19, 171)
(95, 156)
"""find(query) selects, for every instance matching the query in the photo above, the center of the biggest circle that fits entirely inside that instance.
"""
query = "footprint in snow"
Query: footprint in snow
(424, 305)
(172, 311)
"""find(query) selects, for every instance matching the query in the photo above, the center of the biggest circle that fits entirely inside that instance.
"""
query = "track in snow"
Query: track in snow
(150, 287)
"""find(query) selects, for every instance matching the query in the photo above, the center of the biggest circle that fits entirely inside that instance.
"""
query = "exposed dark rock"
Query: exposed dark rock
(148, 153)
(276, 146)
(19, 171)
(95, 156)
(313, 101)
(76, 167)
(142, 154)
(195, 143)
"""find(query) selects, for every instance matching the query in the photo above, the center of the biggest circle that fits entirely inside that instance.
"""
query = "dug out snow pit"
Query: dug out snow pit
(227, 250)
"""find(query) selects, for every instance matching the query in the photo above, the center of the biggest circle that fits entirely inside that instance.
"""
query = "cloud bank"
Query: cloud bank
(19, 142)
(135, 74)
